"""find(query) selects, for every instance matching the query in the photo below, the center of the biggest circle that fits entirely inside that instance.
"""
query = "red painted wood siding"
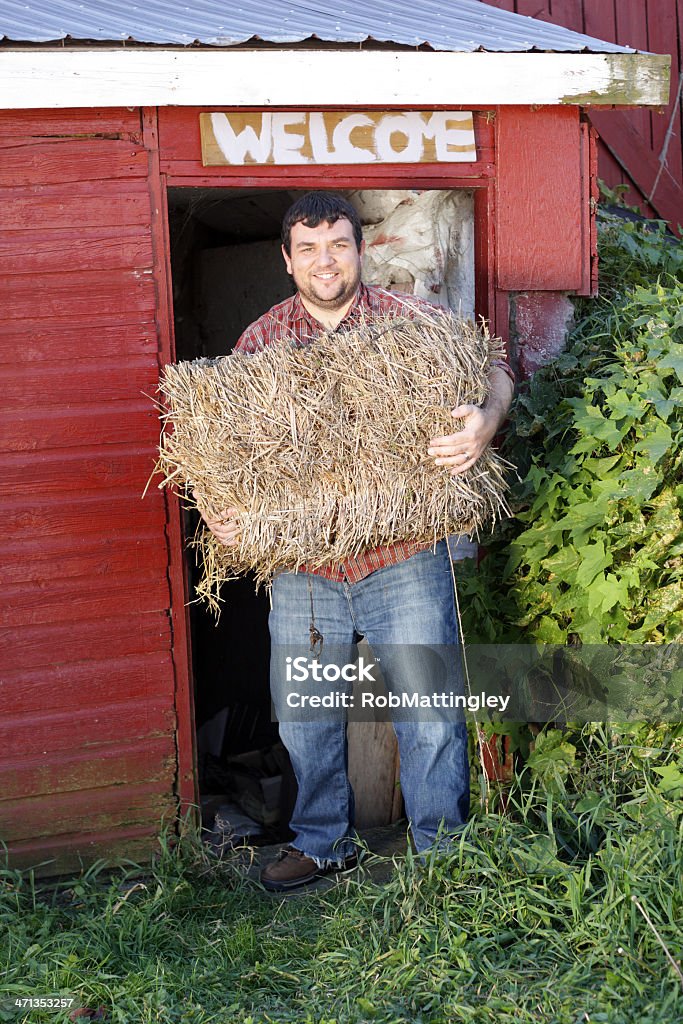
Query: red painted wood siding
(632, 142)
(88, 757)
(540, 197)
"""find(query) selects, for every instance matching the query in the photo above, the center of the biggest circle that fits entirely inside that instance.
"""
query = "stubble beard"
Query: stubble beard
(347, 290)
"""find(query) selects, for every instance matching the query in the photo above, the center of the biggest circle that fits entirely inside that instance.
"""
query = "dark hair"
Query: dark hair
(315, 208)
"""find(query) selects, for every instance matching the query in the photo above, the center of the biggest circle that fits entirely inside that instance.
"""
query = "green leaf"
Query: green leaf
(584, 446)
(591, 423)
(588, 802)
(672, 779)
(663, 602)
(639, 483)
(674, 360)
(665, 406)
(605, 593)
(604, 491)
(538, 857)
(551, 758)
(628, 406)
(564, 562)
(587, 627)
(594, 559)
(548, 631)
(657, 441)
(582, 517)
(602, 467)
(630, 575)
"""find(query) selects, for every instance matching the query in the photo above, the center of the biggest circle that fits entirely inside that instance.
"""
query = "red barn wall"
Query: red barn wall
(87, 686)
(642, 149)
(544, 227)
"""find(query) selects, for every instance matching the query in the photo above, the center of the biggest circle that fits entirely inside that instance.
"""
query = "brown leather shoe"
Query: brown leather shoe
(292, 869)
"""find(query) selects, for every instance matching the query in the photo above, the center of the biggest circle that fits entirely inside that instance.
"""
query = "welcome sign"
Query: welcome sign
(337, 137)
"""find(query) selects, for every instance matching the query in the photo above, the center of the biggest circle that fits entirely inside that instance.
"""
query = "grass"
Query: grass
(532, 918)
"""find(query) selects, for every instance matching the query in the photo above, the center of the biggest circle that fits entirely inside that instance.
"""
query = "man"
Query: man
(399, 597)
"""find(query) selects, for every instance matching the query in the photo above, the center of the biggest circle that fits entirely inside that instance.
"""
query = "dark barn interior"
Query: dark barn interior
(227, 269)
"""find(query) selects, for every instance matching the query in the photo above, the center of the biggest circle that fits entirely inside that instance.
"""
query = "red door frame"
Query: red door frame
(168, 173)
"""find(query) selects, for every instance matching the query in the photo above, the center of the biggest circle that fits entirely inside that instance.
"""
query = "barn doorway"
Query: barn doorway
(227, 269)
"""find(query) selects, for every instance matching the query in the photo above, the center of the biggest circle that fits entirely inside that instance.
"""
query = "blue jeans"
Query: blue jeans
(410, 603)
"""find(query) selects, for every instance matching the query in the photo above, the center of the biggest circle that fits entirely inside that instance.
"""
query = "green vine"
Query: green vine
(594, 552)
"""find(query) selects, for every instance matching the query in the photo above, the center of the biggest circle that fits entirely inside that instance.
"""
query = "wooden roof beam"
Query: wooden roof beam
(134, 77)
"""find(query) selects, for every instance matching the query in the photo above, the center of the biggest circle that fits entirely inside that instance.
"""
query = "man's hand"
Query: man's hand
(225, 528)
(460, 451)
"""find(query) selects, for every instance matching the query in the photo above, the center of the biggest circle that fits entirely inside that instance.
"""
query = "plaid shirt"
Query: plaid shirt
(290, 319)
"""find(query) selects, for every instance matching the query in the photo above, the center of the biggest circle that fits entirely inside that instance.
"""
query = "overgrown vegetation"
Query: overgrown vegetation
(533, 918)
(595, 551)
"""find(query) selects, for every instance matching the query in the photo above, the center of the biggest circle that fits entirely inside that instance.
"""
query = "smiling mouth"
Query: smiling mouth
(326, 277)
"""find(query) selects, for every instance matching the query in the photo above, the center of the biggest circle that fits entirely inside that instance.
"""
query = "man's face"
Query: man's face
(325, 263)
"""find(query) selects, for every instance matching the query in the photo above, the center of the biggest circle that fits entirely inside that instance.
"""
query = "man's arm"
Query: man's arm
(460, 451)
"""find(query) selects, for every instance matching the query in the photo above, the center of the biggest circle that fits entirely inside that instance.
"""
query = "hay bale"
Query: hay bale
(323, 447)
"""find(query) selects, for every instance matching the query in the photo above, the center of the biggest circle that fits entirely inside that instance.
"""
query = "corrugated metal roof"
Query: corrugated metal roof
(456, 25)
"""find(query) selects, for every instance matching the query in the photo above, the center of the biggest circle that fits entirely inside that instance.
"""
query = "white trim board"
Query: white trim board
(102, 77)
